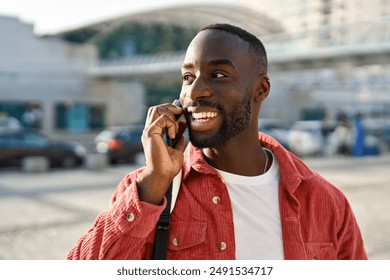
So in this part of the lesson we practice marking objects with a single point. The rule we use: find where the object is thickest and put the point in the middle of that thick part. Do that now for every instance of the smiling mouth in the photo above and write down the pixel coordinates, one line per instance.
(203, 116)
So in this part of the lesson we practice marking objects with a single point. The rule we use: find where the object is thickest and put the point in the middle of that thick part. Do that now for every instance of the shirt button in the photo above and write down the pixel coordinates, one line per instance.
(316, 258)
(130, 217)
(216, 200)
(175, 241)
(222, 246)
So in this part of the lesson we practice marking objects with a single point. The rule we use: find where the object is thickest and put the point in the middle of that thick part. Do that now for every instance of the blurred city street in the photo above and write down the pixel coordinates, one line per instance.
(76, 86)
(43, 214)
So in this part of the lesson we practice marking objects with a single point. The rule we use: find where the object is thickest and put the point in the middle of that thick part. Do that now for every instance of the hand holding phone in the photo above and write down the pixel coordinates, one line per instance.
(162, 163)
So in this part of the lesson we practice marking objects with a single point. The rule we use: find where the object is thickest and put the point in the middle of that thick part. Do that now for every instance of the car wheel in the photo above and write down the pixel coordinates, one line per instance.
(131, 159)
(69, 161)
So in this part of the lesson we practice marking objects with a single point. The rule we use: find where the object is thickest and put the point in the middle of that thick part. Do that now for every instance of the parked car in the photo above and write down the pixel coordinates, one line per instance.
(120, 144)
(275, 128)
(9, 123)
(380, 129)
(17, 144)
(308, 138)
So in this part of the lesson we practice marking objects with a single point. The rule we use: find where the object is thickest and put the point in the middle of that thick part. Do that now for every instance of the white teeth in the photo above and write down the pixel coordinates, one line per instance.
(204, 115)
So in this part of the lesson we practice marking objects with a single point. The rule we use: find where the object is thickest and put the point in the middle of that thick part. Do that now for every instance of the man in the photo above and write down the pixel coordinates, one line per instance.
(242, 196)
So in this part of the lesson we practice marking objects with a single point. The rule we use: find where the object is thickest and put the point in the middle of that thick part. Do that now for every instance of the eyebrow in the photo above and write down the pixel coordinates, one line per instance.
(215, 62)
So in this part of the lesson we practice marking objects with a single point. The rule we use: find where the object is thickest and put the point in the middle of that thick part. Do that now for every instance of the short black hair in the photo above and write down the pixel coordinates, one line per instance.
(256, 46)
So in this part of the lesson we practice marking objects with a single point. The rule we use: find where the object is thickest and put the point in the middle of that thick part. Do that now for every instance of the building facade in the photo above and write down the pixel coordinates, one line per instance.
(56, 78)
(46, 81)
(305, 15)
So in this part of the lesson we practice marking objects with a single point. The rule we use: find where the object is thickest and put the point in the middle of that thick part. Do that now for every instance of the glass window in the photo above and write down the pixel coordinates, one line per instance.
(80, 117)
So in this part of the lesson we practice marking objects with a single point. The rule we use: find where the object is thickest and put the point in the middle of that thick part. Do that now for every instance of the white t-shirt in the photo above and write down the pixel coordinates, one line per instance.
(256, 214)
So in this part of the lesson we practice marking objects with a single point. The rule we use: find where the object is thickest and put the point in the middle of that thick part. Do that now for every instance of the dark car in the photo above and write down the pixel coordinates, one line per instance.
(17, 144)
(120, 144)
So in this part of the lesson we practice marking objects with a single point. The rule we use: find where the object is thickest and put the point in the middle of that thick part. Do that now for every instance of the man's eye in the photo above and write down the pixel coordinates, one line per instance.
(218, 75)
(187, 78)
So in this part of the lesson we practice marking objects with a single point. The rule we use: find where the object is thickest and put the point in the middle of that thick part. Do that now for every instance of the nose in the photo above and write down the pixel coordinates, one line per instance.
(199, 89)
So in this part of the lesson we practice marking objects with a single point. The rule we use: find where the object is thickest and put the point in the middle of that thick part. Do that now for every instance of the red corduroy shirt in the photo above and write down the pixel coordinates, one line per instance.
(316, 218)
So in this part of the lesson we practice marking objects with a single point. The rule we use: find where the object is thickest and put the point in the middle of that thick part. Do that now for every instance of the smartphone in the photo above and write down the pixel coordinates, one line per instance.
(182, 127)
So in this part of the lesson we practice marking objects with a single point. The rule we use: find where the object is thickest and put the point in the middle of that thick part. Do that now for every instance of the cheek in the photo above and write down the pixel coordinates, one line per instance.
(231, 97)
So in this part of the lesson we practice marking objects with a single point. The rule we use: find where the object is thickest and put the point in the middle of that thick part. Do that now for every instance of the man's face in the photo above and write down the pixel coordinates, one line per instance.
(218, 80)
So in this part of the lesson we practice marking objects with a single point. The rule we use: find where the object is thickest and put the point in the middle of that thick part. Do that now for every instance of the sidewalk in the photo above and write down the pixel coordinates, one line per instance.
(43, 214)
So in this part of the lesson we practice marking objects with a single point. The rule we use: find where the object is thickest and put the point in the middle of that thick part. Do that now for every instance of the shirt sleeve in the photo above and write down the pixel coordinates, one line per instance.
(350, 242)
(123, 231)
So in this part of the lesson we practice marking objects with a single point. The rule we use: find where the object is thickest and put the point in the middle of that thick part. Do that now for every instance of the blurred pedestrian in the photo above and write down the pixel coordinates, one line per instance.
(32, 117)
(343, 136)
(359, 137)
(242, 194)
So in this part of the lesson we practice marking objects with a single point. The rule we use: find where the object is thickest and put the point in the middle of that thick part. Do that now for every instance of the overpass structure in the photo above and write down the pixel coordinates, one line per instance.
(192, 16)
(361, 43)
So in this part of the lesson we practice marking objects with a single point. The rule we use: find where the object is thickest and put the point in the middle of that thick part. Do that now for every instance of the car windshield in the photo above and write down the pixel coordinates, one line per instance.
(34, 140)
(131, 134)
(106, 134)
(23, 139)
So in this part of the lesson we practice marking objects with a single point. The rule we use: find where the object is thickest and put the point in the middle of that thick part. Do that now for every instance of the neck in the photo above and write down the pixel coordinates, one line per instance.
(245, 157)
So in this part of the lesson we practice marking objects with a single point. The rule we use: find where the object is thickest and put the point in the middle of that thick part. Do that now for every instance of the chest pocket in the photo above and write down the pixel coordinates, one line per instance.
(320, 251)
(187, 240)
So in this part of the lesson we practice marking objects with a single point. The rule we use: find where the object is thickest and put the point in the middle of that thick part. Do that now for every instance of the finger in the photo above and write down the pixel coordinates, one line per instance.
(149, 118)
(156, 111)
(171, 127)
(161, 125)
(171, 108)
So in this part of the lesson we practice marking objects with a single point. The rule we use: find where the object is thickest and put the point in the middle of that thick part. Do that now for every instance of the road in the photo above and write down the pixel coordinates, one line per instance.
(43, 214)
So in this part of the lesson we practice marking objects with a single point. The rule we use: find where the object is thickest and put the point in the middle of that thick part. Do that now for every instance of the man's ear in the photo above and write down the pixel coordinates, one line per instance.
(263, 88)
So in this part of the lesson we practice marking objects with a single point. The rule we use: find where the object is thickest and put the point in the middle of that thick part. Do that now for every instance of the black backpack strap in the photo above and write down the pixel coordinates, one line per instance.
(160, 246)
(162, 231)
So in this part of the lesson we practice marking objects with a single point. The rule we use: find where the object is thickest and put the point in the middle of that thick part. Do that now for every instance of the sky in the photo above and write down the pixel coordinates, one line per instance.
(52, 16)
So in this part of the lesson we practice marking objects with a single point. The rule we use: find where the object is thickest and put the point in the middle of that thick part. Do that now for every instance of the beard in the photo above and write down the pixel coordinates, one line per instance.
(233, 123)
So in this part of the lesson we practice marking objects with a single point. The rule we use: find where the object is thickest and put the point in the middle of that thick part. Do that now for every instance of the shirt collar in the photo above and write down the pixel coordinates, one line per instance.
(290, 173)
(194, 161)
